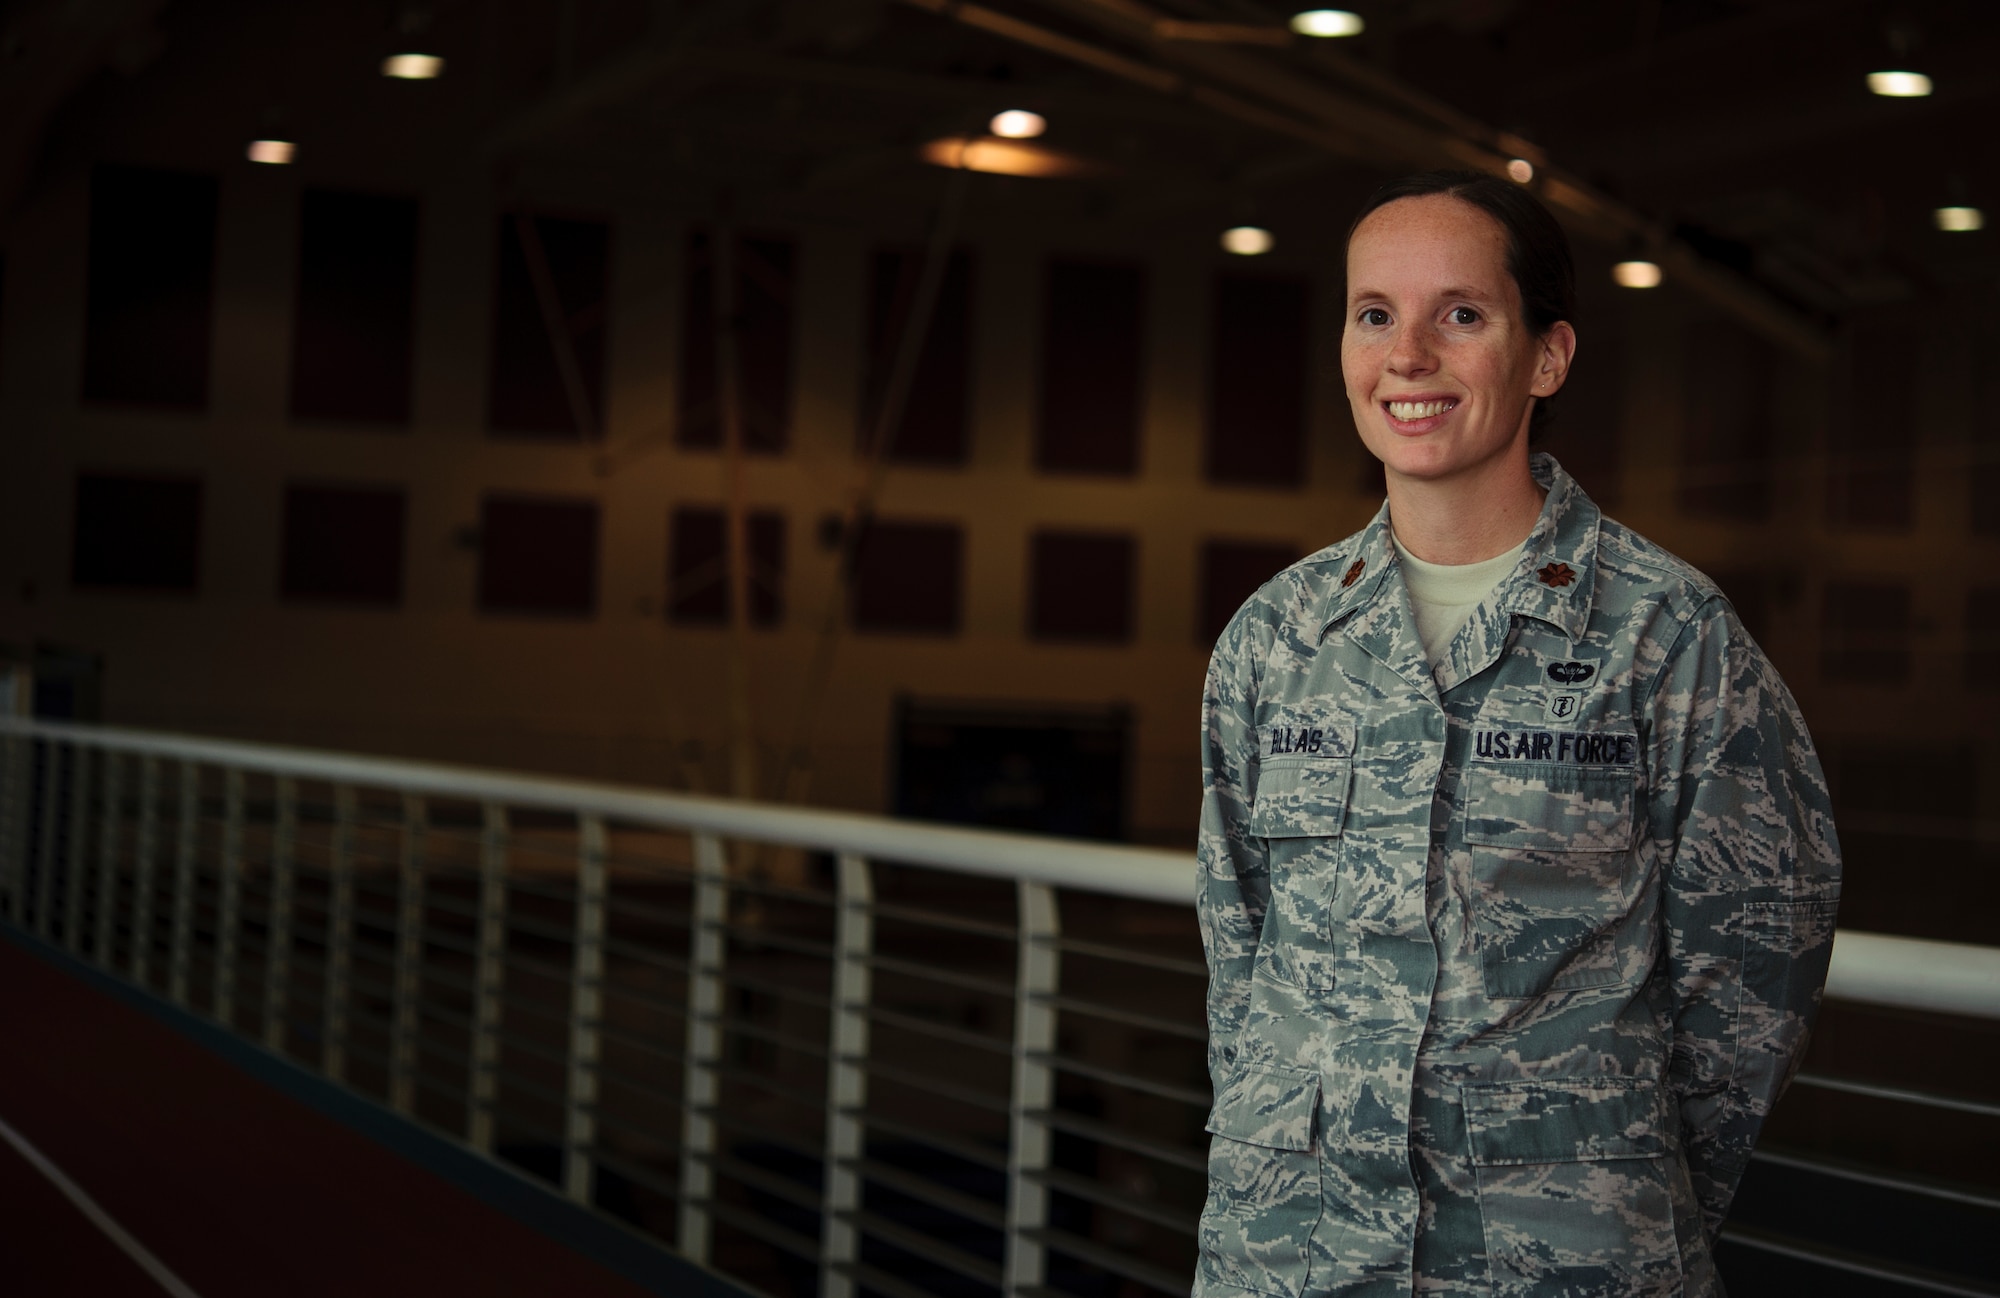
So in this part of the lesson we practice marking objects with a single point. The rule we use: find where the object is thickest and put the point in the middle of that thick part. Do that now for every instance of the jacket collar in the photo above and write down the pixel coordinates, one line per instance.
(1555, 582)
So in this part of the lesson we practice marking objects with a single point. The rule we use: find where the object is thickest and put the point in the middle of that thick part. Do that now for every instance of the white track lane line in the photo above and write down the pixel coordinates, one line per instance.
(118, 1235)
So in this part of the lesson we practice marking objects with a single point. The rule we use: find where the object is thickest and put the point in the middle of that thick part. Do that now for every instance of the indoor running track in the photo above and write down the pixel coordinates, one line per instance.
(239, 1190)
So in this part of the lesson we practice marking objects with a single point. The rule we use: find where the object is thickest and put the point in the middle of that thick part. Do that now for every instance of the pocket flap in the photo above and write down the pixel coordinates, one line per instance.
(1302, 799)
(1549, 808)
(1273, 1107)
(1565, 1121)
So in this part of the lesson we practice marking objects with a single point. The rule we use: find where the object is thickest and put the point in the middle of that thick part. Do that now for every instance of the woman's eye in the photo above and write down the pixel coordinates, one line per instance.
(1375, 316)
(1464, 315)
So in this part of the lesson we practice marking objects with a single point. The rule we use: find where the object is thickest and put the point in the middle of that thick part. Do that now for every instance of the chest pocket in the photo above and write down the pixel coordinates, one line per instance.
(1300, 810)
(1552, 877)
(1301, 797)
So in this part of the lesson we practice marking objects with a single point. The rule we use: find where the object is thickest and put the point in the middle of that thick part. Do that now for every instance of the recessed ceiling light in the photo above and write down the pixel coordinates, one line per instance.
(413, 67)
(276, 153)
(1247, 240)
(1958, 220)
(1637, 274)
(1327, 22)
(1520, 171)
(1018, 124)
(1900, 85)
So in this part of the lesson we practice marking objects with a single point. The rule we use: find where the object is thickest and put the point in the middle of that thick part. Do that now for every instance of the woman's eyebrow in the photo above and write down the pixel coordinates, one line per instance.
(1471, 294)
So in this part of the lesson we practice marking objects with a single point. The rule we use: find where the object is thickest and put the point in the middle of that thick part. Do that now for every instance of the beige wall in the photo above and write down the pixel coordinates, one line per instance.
(622, 695)
(625, 696)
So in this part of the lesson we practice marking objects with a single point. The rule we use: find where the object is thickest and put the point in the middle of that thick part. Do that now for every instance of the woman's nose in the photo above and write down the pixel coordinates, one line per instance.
(1412, 352)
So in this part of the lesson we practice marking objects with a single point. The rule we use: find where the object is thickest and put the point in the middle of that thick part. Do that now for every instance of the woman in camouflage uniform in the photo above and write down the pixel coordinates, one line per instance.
(1517, 911)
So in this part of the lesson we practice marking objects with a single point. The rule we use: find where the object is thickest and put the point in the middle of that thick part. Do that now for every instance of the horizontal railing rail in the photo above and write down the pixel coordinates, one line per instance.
(1871, 968)
(817, 1050)
(1123, 871)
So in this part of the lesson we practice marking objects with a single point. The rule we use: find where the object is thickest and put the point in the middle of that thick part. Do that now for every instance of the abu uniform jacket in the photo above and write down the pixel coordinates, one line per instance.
(1508, 959)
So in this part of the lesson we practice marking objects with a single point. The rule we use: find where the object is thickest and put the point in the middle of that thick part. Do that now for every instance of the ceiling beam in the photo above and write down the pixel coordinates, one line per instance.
(616, 80)
(978, 94)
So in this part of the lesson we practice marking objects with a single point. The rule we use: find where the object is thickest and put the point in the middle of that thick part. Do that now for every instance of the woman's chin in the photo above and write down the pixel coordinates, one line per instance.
(1418, 461)
(1436, 459)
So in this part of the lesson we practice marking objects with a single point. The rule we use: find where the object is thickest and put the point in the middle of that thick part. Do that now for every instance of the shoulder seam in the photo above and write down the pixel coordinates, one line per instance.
(1647, 555)
(1680, 636)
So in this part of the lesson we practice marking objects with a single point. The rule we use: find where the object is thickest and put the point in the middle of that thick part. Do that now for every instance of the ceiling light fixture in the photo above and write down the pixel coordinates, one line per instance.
(1003, 157)
(1959, 220)
(1327, 22)
(1247, 240)
(1018, 124)
(1637, 274)
(276, 153)
(1900, 85)
(413, 67)
(1520, 170)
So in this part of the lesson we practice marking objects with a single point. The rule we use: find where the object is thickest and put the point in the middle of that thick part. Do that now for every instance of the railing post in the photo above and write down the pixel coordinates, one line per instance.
(409, 959)
(14, 822)
(484, 1084)
(145, 845)
(75, 848)
(278, 921)
(1033, 1089)
(228, 921)
(586, 1007)
(181, 952)
(847, 1076)
(45, 841)
(107, 860)
(699, 1091)
(339, 932)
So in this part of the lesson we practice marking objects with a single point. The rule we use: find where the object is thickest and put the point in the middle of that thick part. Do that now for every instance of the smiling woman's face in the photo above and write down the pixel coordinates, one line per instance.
(1440, 366)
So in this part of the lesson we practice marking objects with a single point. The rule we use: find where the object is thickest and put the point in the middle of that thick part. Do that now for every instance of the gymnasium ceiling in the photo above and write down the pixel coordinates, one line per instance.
(1734, 141)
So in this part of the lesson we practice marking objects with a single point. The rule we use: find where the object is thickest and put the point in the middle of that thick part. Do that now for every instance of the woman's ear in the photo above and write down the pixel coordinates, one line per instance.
(1558, 348)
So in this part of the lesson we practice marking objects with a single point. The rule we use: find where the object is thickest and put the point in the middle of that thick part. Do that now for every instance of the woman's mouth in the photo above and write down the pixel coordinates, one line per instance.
(1418, 416)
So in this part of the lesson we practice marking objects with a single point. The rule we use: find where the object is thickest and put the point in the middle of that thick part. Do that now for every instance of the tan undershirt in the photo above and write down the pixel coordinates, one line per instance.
(1445, 595)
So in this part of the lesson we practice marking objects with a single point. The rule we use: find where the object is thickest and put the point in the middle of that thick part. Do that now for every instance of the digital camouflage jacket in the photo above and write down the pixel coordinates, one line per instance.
(1508, 959)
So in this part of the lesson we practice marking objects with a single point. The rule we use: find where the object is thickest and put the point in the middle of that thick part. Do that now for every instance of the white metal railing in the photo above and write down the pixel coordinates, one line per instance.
(808, 1048)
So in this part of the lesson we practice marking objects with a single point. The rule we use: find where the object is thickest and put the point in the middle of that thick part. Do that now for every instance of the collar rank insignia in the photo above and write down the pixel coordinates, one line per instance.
(1557, 575)
(1353, 573)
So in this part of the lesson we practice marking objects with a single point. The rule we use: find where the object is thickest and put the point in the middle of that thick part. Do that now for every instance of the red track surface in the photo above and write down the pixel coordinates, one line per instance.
(53, 1251)
(242, 1191)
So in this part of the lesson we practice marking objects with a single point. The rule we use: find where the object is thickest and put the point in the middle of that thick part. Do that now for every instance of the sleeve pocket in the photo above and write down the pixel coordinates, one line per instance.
(1791, 930)
(1264, 1199)
(1302, 799)
(1565, 1121)
(1787, 947)
(1272, 1107)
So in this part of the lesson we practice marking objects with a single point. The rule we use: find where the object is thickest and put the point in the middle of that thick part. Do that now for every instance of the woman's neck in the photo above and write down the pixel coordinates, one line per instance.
(1467, 517)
